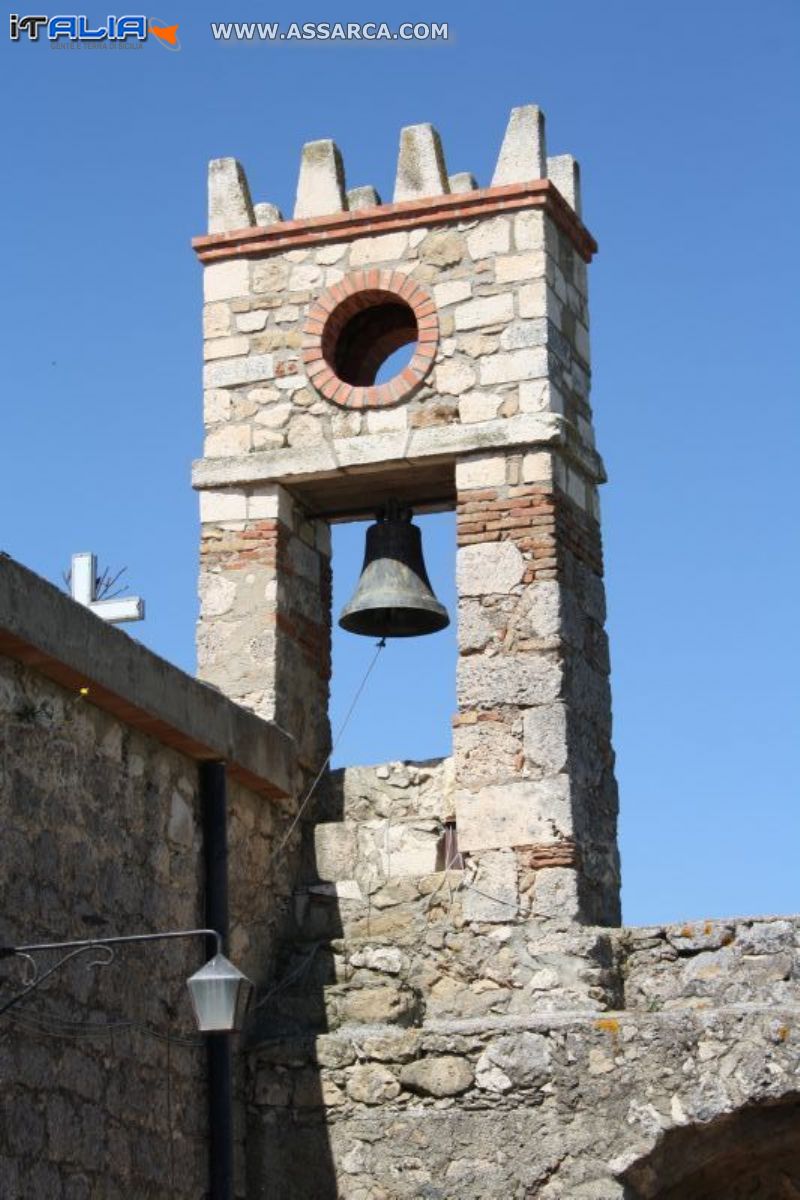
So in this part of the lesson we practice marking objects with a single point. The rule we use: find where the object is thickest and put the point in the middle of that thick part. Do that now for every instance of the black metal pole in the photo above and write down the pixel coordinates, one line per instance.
(213, 795)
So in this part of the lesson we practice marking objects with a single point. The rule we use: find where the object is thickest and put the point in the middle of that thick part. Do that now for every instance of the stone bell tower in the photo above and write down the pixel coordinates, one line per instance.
(491, 416)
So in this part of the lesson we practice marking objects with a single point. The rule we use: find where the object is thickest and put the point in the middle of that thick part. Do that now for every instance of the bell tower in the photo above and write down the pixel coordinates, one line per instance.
(490, 416)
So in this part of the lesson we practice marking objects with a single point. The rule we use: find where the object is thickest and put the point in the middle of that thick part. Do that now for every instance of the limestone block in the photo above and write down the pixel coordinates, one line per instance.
(522, 813)
(305, 277)
(523, 155)
(251, 322)
(320, 188)
(537, 467)
(454, 377)
(529, 232)
(491, 894)
(555, 893)
(488, 568)
(383, 248)
(443, 249)
(226, 280)
(532, 299)
(512, 268)
(372, 1084)
(475, 626)
(514, 365)
(222, 506)
(522, 679)
(545, 737)
(229, 203)
(420, 164)
(388, 959)
(216, 406)
(478, 406)
(216, 320)
(275, 414)
(486, 752)
(446, 1075)
(306, 430)
(491, 237)
(226, 347)
(403, 849)
(488, 310)
(451, 292)
(238, 370)
(267, 214)
(521, 334)
(462, 181)
(378, 1006)
(535, 395)
(269, 502)
(485, 470)
(523, 1058)
(330, 253)
(228, 441)
(565, 173)
(362, 197)
(217, 594)
(335, 850)
(270, 276)
(387, 419)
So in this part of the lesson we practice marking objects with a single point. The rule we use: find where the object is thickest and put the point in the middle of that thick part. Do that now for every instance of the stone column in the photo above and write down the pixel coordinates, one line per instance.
(264, 629)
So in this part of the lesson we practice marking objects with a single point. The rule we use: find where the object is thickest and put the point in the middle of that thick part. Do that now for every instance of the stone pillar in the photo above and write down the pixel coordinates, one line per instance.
(265, 592)
(532, 737)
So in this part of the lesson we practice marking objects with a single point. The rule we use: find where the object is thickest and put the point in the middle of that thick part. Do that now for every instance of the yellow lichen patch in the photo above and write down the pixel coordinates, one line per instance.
(687, 931)
(608, 1025)
(707, 928)
(782, 1033)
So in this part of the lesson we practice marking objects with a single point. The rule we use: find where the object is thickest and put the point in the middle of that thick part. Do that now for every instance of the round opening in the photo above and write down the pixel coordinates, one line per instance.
(364, 332)
(371, 339)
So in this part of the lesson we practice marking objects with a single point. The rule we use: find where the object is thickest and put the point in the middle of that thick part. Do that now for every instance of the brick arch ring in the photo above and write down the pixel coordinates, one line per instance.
(353, 327)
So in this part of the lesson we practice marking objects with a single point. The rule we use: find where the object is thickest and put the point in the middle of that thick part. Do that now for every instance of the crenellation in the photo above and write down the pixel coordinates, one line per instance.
(229, 203)
(523, 154)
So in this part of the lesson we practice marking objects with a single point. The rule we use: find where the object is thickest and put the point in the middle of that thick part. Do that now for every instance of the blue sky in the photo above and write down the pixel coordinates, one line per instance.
(684, 118)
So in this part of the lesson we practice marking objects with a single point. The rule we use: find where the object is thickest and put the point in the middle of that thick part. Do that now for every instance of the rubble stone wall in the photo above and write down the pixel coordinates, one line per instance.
(102, 835)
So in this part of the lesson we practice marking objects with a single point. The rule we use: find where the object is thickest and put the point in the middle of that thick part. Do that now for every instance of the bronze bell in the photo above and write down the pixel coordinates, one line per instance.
(393, 596)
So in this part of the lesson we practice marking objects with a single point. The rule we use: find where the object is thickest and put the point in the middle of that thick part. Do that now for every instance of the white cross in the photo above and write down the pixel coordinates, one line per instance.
(83, 585)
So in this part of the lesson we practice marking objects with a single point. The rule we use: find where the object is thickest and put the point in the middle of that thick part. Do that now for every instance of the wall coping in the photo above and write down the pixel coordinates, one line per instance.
(406, 214)
(48, 631)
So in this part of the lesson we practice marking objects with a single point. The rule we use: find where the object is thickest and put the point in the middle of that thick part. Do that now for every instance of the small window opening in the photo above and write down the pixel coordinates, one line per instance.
(448, 856)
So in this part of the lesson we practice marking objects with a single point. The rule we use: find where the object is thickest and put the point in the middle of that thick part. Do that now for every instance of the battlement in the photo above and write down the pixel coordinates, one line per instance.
(326, 209)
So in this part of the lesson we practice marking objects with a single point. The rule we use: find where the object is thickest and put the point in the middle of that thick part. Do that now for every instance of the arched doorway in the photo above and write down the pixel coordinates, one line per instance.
(752, 1154)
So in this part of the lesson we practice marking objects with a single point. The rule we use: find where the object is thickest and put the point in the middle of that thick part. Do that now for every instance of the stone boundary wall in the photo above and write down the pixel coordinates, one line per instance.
(102, 835)
(557, 1107)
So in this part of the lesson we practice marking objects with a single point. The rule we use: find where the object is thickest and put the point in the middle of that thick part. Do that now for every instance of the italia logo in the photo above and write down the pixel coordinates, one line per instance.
(76, 28)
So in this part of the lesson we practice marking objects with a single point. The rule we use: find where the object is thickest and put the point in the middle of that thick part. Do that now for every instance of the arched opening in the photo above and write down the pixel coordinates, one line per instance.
(363, 332)
(752, 1154)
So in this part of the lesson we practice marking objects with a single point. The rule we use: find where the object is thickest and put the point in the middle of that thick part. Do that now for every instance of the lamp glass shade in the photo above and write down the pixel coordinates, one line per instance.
(220, 994)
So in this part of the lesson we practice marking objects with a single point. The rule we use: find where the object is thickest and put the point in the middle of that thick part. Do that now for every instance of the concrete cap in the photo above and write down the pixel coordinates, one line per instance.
(229, 204)
(420, 164)
(522, 155)
(267, 214)
(565, 173)
(362, 197)
(462, 182)
(320, 188)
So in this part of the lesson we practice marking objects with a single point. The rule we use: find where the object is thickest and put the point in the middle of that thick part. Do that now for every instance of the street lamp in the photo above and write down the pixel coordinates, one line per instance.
(219, 992)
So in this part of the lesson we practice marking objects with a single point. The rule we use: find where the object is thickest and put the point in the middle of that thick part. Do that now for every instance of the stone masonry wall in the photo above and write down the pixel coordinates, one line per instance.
(264, 630)
(101, 835)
